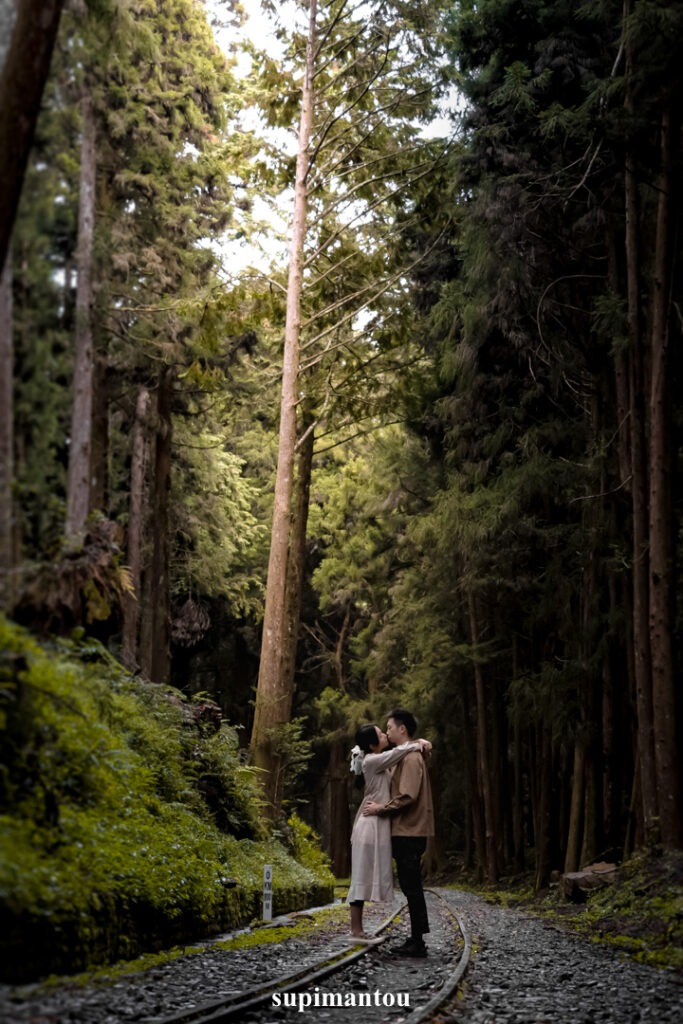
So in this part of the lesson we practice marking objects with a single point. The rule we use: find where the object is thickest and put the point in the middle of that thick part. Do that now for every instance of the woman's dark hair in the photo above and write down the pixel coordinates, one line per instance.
(366, 737)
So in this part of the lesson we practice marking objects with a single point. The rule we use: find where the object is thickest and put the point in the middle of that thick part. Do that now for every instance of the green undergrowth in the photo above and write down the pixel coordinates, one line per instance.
(641, 914)
(125, 812)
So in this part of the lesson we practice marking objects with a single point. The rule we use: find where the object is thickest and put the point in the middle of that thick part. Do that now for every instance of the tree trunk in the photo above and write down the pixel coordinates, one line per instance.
(661, 594)
(518, 799)
(484, 754)
(155, 643)
(22, 81)
(136, 507)
(575, 835)
(474, 854)
(611, 775)
(637, 373)
(337, 810)
(78, 484)
(6, 441)
(273, 703)
(296, 559)
(99, 446)
(544, 814)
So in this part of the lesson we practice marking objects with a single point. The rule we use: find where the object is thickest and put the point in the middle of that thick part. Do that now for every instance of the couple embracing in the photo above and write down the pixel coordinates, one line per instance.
(395, 819)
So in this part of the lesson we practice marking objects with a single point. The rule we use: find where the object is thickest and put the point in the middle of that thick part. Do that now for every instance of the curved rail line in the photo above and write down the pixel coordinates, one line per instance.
(424, 1013)
(233, 1007)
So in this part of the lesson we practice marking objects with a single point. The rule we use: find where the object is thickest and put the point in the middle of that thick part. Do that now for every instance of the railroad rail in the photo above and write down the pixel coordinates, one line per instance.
(253, 1000)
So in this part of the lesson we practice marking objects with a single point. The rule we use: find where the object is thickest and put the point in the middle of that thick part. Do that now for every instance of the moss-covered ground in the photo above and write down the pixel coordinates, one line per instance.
(640, 914)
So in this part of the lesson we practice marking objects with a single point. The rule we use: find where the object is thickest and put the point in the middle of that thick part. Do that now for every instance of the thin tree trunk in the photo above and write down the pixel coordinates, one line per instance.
(339, 823)
(637, 375)
(474, 854)
(518, 799)
(534, 762)
(544, 815)
(138, 472)
(661, 603)
(591, 814)
(6, 440)
(155, 650)
(518, 791)
(78, 484)
(22, 80)
(99, 446)
(484, 755)
(296, 559)
(575, 835)
(273, 703)
(611, 777)
(499, 773)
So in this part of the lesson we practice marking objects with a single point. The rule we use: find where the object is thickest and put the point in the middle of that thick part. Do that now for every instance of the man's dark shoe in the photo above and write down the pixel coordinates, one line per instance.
(410, 948)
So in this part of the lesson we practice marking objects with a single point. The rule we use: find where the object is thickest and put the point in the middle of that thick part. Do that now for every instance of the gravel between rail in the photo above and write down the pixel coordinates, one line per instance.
(523, 971)
(527, 971)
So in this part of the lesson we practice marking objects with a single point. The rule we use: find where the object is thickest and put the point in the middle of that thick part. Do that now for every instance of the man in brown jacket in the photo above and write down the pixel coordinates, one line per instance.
(412, 821)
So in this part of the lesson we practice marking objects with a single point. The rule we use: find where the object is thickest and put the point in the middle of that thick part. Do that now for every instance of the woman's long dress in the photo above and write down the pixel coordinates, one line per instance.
(371, 871)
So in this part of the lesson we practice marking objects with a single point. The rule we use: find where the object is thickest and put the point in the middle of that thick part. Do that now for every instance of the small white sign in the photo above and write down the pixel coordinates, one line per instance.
(268, 892)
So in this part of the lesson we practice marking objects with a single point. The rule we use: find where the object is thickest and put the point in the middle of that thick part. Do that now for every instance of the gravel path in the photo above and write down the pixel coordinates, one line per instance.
(526, 971)
(523, 971)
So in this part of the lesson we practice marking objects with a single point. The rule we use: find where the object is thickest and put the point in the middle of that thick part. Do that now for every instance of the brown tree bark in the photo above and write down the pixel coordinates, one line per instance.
(575, 834)
(136, 512)
(273, 702)
(475, 843)
(517, 798)
(78, 482)
(296, 558)
(296, 563)
(6, 441)
(544, 813)
(22, 81)
(336, 795)
(661, 528)
(99, 446)
(639, 487)
(486, 781)
(155, 639)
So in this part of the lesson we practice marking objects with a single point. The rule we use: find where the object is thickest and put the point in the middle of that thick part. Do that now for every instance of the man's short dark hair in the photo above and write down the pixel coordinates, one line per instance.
(404, 717)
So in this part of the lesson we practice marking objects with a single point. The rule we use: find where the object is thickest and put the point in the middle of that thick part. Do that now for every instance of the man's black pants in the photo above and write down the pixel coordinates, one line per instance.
(407, 852)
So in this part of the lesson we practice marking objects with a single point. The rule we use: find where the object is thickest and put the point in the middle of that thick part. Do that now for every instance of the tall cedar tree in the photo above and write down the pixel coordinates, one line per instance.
(364, 90)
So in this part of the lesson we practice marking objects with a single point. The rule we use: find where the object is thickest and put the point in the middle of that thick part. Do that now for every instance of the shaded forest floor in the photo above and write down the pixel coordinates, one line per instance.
(641, 913)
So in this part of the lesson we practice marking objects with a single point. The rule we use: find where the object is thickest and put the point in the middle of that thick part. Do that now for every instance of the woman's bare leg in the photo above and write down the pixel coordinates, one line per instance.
(357, 918)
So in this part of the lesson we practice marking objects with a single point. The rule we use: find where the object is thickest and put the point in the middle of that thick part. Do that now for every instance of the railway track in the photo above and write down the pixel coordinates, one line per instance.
(412, 989)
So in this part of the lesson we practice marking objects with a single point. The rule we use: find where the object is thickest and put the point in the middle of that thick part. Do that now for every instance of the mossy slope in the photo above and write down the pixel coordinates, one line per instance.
(124, 810)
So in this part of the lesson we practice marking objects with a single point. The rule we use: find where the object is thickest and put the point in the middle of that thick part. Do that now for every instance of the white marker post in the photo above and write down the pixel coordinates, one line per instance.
(268, 892)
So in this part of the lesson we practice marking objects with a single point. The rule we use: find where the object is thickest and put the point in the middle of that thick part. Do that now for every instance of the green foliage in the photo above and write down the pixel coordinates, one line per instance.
(115, 792)
(641, 914)
(217, 532)
(304, 844)
(292, 753)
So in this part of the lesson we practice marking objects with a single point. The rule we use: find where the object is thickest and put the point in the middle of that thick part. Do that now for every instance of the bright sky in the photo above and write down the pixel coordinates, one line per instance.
(271, 244)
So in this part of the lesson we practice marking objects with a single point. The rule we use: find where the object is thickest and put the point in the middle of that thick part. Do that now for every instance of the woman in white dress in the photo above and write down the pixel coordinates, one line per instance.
(372, 875)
